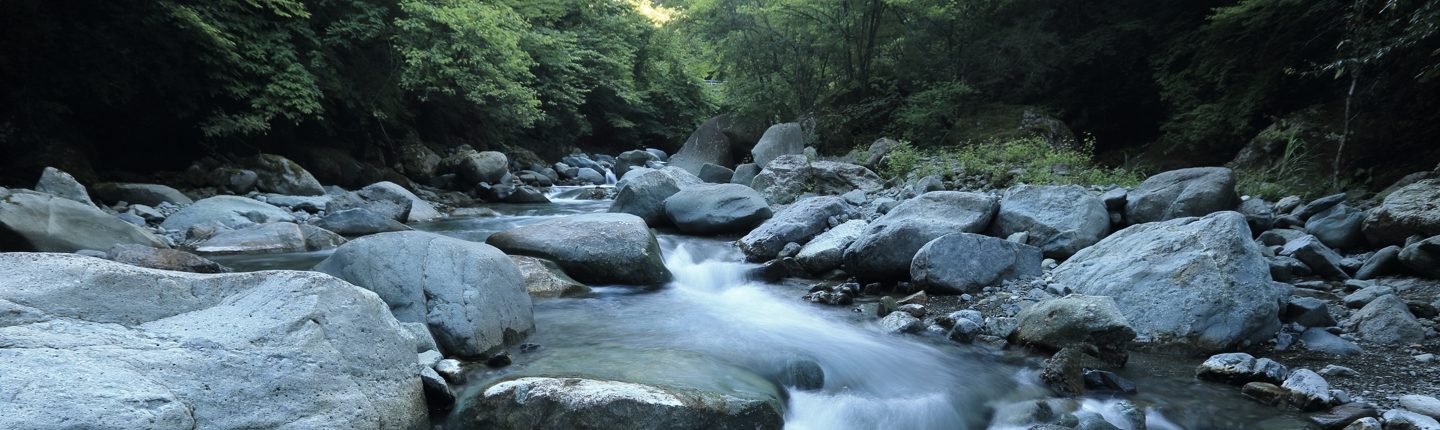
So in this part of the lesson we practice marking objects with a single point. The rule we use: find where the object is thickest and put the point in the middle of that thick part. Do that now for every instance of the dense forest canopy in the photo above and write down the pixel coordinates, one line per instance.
(154, 83)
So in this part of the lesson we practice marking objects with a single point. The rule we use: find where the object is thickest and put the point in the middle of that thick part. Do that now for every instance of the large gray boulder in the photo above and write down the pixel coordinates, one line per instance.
(789, 176)
(1409, 211)
(145, 194)
(420, 210)
(959, 263)
(780, 139)
(643, 192)
(1196, 191)
(1422, 257)
(632, 159)
(1074, 320)
(470, 294)
(885, 251)
(720, 140)
(1319, 258)
(256, 239)
(276, 174)
(1338, 227)
(359, 222)
(31, 221)
(60, 184)
(544, 403)
(473, 167)
(89, 343)
(227, 211)
(797, 223)
(592, 248)
(1060, 220)
(826, 252)
(1206, 273)
(716, 208)
(1386, 321)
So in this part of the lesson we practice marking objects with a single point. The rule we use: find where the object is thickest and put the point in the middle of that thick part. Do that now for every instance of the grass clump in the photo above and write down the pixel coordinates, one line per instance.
(1003, 162)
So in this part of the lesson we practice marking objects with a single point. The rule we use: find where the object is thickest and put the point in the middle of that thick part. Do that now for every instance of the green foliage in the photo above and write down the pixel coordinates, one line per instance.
(1002, 163)
(469, 49)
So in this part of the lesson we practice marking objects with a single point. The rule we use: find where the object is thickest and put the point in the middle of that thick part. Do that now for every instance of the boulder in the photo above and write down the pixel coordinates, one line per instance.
(1308, 391)
(959, 263)
(470, 294)
(592, 248)
(543, 403)
(309, 204)
(96, 344)
(1386, 261)
(901, 322)
(145, 194)
(889, 244)
(1338, 227)
(1321, 259)
(472, 167)
(544, 279)
(1319, 340)
(1238, 368)
(227, 211)
(418, 161)
(276, 174)
(31, 221)
(1409, 211)
(233, 180)
(57, 183)
(420, 210)
(1259, 215)
(797, 223)
(381, 202)
(643, 192)
(1364, 296)
(1075, 320)
(1182, 193)
(256, 239)
(826, 251)
(1386, 321)
(1308, 311)
(745, 174)
(707, 144)
(1422, 257)
(359, 222)
(632, 159)
(1060, 220)
(788, 177)
(716, 174)
(1206, 272)
(1400, 419)
(163, 259)
(1423, 405)
(716, 208)
(590, 176)
(780, 139)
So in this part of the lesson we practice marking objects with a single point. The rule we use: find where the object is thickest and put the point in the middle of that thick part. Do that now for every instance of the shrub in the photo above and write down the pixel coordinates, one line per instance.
(1004, 162)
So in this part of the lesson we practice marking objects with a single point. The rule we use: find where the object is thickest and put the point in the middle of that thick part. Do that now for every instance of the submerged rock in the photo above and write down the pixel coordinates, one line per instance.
(97, 344)
(594, 248)
(31, 221)
(543, 278)
(470, 294)
(1206, 272)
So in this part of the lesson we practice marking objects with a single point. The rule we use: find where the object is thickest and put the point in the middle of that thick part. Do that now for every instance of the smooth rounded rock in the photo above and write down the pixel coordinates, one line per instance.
(717, 208)
(885, 251)
(1060, 220)
(594, 248)
(959, 263)
(31, 221)
(1182, 193)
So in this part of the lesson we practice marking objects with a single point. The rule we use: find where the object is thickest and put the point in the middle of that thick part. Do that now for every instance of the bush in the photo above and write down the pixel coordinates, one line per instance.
(1004, 162)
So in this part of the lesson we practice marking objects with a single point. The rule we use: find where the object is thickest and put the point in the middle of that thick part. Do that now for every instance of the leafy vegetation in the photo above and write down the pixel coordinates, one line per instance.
(1001, 163)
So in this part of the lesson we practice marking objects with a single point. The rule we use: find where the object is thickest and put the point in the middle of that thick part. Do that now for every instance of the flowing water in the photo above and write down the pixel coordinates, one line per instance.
(714, 328)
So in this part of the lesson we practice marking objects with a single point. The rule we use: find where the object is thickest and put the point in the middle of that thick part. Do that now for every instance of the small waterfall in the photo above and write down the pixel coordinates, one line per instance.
(609, 177)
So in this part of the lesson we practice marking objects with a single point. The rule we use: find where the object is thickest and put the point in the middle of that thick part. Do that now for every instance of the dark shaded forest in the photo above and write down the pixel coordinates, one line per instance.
(1312, 92)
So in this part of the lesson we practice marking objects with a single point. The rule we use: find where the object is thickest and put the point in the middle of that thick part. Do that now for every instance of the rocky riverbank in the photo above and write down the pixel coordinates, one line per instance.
(1340, 292)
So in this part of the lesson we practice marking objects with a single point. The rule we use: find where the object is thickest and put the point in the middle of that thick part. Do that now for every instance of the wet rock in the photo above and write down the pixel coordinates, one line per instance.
(526, 194)
(380, 202)
(718, 208)
(473, 167)
(635, 158)
(900, 322)
(1063, 373)
(543, 278)
(450, 369)
(1101, 380)
(890, 243)
(1238, 368)
(1060, 220)
(1343, 416)
(31, 221)
(1409, 211)
(1265, 393)
(1400, 419)
(826, 251)
(1423, 257)
(964, 262)
(145, 194)
(1207, 266)
(359, 222)
(1319, 340)
(1182, 193)
(1386, 321)
(256, 239)
(310, 204)
(643, 193)
(801, 374)
(1074, 320)
(1308, 390)
(437, 390)
(276, 174)
(1386, 261)
(798, 223)
(163, 259)
(228, 211)
(790, 176)
(593, 248)
(163, 349)
(470, 295)
(1308, 311)
(1338, 227)
(60, 184)
(568, 403)
(1320, 258)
